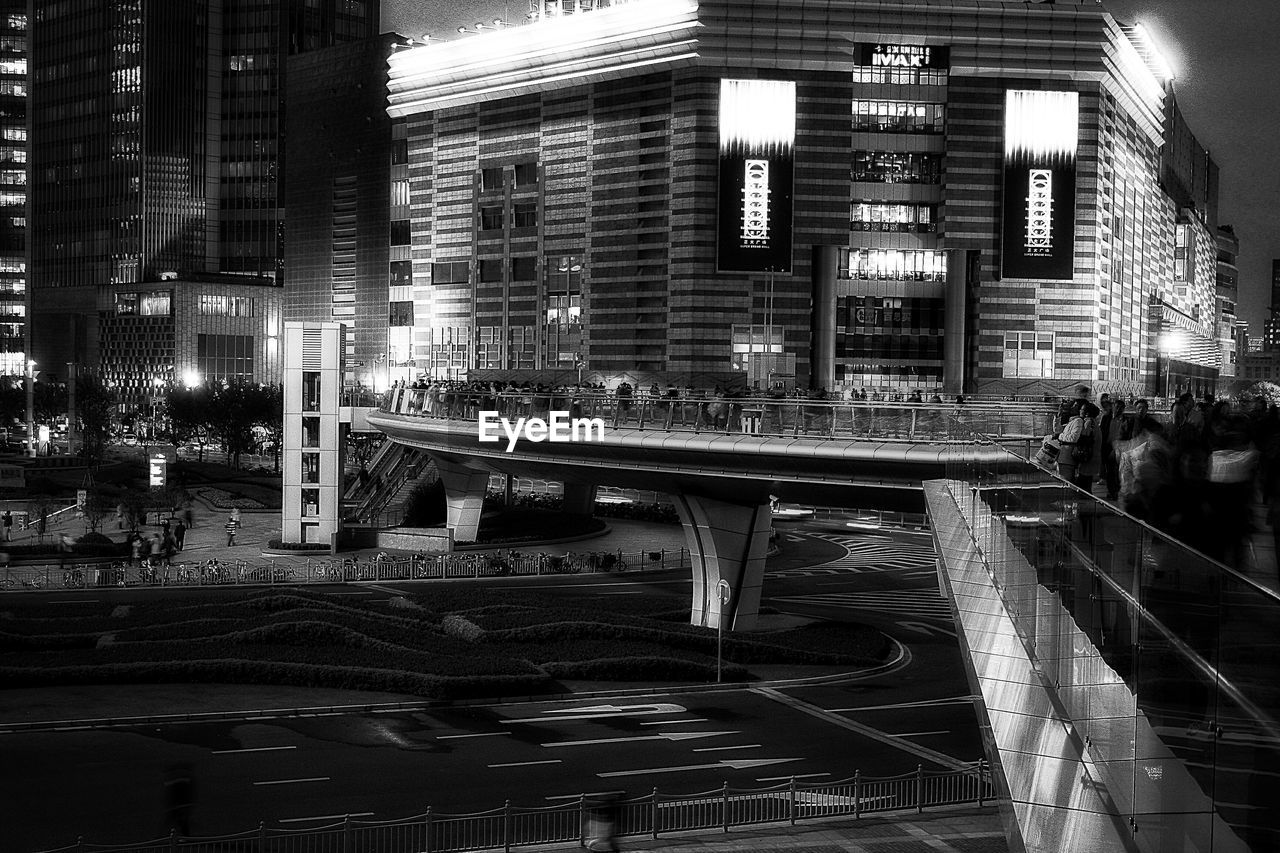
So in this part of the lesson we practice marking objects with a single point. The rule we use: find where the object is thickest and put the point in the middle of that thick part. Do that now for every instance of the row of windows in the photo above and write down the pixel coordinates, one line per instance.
(883, 216)
(226, 306)
(893, 265)
(1028, 354)
(880, 346)
(897, 167)
(900, 76)
(523, 216)
(152, 303)
(562, 272)
(523, 174)
(873, 313)
(224, 356)
(897, 117)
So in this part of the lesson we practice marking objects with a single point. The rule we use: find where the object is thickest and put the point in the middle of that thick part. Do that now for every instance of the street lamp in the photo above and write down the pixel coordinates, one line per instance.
(31, 408)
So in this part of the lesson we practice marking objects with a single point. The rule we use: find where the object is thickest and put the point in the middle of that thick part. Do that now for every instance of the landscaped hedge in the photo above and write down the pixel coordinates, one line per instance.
(452, 642)
(303, 547)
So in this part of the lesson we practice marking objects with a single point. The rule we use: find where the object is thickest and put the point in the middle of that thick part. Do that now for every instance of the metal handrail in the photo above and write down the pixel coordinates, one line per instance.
(726, 414)
(646, 815)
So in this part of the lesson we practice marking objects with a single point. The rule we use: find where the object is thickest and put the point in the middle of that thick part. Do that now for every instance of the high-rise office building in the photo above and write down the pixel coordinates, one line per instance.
(1227, 295)
(882, 199)
(156, 128)
(13, 186)
(347, 192)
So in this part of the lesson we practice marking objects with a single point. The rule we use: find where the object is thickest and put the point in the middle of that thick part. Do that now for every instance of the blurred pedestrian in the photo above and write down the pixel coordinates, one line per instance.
(231, 526)
(602, 833)
(179, 799)
(180, 534)
(189, 517)
(8, 526)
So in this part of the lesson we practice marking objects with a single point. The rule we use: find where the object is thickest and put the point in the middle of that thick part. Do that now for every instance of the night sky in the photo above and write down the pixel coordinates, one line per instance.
(1226, 57)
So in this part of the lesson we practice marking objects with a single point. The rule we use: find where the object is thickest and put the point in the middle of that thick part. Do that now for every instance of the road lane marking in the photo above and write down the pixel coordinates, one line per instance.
(478, 734)
(324, 817)
(74, 600)
(673, 736)
(925, 703)
(526, 763)
(349, 593)
(724, 748)
(291, 781)
(789, 778)
(735, 763)
(864, 730)
(673, 722)
(579, 796)
(252, 749)
(922, 734)
(596, 712)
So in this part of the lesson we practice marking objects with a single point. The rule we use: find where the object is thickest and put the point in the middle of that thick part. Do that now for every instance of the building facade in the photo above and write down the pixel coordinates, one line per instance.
(1228, 294)
(155, 129)
(347, 192)
(13, 186)
(939, 199)
(187, 331)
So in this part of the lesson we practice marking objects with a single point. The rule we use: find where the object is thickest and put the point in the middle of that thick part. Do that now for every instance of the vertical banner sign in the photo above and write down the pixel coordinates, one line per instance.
(1041, 130)
(757, 151)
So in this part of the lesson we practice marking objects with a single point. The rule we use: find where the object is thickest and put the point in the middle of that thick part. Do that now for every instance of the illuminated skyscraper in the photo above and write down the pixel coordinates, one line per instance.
(13, 185)
(156, 126)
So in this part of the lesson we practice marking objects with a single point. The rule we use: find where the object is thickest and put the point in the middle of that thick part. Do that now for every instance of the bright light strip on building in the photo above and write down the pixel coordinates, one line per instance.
(1150, 51)
(757, 117)
(1043, 127)
(571, 49)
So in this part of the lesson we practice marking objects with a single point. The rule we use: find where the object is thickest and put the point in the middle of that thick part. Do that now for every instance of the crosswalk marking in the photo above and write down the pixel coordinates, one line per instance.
(921, 603)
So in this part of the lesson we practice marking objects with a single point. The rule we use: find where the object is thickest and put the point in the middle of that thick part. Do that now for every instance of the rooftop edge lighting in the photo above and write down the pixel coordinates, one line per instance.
(1150, 52)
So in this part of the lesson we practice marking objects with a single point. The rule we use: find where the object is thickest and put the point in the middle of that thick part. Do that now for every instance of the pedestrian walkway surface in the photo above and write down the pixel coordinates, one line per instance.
(964, 829)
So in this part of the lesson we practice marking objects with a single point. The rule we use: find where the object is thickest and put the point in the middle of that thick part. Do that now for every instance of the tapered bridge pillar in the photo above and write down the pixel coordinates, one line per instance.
(464, 491)
(727, 542)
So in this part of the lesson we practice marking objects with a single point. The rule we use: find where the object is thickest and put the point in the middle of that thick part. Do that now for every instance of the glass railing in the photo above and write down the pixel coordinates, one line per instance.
(1167, 661)
(1020, 423)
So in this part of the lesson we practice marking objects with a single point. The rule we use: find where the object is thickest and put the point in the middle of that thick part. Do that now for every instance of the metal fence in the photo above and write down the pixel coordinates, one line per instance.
(648, 815)
(294, 571)
(916, 422)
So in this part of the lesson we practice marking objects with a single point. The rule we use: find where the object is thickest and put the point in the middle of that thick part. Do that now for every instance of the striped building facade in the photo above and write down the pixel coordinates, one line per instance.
(566, 198)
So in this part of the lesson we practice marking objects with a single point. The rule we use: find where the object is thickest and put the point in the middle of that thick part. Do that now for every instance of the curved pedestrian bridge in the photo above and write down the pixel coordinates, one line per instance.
(722, 460)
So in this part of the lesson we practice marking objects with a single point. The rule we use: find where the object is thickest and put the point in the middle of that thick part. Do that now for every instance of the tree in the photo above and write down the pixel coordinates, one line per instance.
(232, 417)
(190, 417)
(97, 506)
(271, 417)
(49, 400)
(1269, 391)
(95, 406)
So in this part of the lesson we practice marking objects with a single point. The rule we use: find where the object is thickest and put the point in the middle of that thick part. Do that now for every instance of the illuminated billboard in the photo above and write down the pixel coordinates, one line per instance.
(757, 155)
(901, 56)
(1041, 130)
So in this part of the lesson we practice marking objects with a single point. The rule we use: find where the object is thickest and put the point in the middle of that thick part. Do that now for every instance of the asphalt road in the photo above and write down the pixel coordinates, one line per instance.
(296, 772)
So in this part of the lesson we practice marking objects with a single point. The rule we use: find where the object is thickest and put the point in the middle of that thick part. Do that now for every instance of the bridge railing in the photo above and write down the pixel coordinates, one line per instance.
(776, 416)
(576, 820)
(1163, 657)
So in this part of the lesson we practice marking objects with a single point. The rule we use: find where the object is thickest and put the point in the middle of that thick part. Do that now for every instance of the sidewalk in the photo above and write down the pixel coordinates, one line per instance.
(954, 829)
(208, 538)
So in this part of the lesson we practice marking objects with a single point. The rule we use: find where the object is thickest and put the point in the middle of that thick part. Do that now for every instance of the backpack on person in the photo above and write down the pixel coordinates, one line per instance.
(1082, 452)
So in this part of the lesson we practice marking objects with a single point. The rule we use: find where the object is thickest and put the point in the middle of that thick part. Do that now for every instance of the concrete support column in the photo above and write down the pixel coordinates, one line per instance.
(726, 542)
(464, 491)
(822, 323)
(955, 315)
(579, 498)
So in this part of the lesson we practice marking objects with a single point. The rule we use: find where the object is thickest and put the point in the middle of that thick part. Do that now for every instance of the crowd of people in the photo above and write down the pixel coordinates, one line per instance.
(1194, 474)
